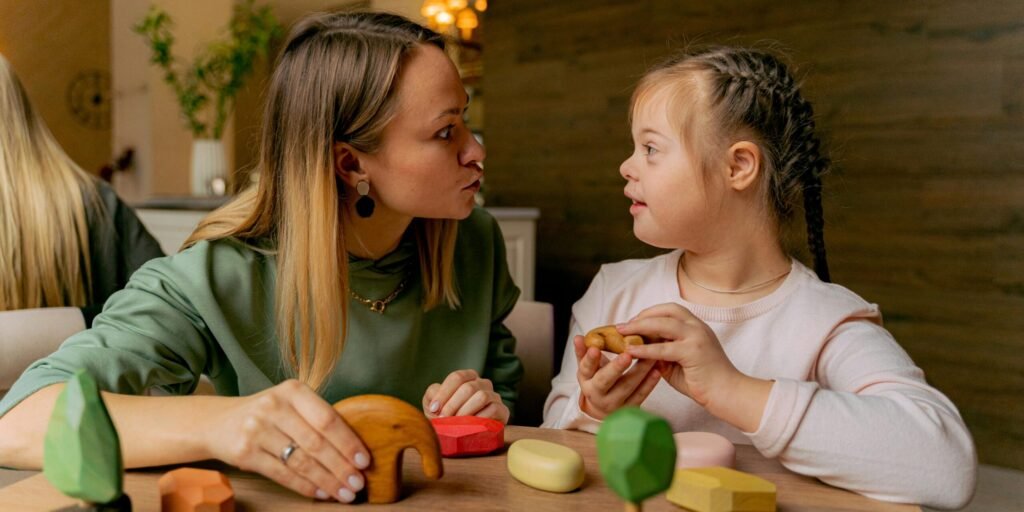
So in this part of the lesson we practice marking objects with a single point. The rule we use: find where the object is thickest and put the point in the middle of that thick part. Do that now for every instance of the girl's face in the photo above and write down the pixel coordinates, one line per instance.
(669, 193)
(428, 164)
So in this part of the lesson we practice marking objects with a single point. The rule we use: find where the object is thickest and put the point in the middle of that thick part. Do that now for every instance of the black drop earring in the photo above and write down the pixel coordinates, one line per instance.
(365, 204)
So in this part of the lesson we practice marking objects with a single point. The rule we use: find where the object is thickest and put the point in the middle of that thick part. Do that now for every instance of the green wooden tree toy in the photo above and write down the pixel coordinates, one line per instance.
(82, 452)
(637, 455)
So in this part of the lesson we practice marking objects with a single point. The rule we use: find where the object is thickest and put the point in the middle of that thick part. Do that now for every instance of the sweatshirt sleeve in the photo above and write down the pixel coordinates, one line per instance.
(149, 336)
(562, 407)
(870, 423)
(503, 366)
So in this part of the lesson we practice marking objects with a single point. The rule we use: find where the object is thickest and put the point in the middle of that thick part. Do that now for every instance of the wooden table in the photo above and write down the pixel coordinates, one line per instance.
(481, 483)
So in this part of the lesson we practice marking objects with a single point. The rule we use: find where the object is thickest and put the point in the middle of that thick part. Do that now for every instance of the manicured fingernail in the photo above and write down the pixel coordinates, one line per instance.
(321, 495)
(346, 495)
(434, 406)
(362, 460)
(355, 482)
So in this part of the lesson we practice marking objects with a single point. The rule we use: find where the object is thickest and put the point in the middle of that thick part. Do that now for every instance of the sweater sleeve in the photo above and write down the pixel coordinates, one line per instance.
(870, 423)
(503, 367)
(562, 407)
(149, 335)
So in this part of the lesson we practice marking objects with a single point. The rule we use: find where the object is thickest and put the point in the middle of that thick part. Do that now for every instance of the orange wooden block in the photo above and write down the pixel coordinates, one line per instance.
(196, 490)
(466, 436)
(387, 427)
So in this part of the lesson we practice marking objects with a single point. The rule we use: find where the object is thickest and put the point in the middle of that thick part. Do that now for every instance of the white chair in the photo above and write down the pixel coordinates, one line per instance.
(533, 325)
(30, 334)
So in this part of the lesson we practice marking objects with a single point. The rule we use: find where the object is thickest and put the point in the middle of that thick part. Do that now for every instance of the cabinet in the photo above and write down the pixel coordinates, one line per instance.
(171, 221)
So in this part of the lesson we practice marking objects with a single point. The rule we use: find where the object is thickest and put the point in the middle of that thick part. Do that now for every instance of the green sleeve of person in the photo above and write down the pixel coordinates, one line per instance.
(82, 452)
(636, 454)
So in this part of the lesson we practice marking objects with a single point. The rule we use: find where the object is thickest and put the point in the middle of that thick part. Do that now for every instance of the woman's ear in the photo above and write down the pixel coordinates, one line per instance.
(346, 164)
(744, 159)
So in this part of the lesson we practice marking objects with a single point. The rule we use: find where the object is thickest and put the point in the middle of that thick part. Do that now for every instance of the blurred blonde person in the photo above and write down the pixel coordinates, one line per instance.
(66, 241)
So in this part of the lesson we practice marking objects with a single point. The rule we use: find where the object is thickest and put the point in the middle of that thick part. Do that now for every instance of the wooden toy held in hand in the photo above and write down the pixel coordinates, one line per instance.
(195, 490)
(81, 450)
(546, 466)
(466, 436)
(608, 338)
(637, 454)
(387, 427)
(720, 489)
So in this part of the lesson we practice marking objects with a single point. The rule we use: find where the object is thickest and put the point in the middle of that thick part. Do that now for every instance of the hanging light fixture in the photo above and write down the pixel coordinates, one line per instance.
(443, 15)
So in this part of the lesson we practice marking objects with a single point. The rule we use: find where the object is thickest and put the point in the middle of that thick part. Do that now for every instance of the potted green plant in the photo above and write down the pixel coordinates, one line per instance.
(206, 88)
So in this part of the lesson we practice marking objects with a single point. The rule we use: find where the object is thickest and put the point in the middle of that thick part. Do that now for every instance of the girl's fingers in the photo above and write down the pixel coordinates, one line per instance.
(627, 384)
(589, 364)
(670, 352)
(607, 376)
(650, 381)
(579, 347)
(475, 404)
(663, 327)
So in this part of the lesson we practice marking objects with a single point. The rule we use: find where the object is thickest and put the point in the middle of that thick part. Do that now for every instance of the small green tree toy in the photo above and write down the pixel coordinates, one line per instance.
(81, 450)
(219, 72)
(637, 455)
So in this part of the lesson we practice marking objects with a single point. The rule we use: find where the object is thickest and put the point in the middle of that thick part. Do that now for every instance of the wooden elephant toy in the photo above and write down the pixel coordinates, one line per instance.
(387, 427)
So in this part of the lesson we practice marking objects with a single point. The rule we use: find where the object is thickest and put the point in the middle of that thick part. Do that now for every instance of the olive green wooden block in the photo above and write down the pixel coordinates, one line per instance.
(82, 452)
(636, 453)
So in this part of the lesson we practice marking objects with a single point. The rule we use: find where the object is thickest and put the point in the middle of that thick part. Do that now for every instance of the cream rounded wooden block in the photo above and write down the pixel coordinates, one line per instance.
(544, 465)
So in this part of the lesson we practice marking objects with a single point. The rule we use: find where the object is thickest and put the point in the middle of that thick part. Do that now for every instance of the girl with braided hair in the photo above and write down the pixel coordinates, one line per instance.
(750, 343)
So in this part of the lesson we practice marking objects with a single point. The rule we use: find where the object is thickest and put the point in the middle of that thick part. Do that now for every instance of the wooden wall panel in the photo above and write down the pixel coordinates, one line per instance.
(923, 107)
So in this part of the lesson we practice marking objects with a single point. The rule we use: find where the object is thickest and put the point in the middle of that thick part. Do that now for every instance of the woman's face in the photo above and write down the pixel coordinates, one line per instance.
(428, 164)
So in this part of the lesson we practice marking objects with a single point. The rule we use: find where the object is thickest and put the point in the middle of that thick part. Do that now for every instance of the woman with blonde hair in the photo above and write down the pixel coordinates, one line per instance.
(67, 242)
(359, 265)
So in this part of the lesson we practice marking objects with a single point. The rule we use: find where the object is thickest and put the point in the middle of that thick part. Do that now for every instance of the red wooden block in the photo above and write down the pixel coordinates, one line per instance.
(466, 436)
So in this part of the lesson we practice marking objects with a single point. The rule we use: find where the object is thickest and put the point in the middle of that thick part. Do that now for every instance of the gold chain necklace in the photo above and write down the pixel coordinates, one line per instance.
(379, 305)
(748, 289)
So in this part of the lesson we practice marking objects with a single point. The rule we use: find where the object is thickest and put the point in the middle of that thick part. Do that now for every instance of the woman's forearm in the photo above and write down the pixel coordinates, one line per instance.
(153, 430)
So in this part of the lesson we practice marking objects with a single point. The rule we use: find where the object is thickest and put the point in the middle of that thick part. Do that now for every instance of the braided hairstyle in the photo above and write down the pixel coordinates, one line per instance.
(752, 93)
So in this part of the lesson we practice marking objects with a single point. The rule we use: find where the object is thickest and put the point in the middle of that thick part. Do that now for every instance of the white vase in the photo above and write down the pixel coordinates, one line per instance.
(209, 167)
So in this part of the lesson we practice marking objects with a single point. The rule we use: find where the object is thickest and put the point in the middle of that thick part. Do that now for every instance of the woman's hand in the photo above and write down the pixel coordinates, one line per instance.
(606, 385)
(464, 393)
(692, 360)
(255, 435)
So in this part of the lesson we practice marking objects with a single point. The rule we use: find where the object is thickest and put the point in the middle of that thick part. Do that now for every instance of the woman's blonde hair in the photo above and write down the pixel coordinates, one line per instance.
(334, 82)
(44, 232)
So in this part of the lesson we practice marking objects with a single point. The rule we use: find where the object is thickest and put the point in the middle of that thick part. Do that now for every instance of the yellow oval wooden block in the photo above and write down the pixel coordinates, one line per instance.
(721, 489)
(546, 466)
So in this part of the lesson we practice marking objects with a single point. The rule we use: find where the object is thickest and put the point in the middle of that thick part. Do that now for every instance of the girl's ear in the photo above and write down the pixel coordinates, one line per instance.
(346, 164)
(744, 159)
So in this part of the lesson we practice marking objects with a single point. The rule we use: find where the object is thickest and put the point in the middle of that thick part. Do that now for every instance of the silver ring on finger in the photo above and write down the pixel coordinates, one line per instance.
(287, 452)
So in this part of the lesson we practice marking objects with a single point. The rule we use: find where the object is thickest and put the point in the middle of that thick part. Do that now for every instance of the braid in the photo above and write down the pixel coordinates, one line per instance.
(753, 90)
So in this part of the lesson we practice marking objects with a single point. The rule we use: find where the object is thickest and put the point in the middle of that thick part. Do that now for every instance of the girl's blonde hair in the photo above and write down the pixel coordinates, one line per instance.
(44, 231)
(335, 81)
(749, 94)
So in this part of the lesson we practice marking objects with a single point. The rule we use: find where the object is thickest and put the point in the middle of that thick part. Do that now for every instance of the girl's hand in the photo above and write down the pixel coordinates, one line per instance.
(255, 433)
(464, 393)
(606, 385)
(692, 361)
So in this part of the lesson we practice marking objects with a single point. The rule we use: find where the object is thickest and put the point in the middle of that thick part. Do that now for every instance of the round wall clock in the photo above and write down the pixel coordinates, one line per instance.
(89, 99)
